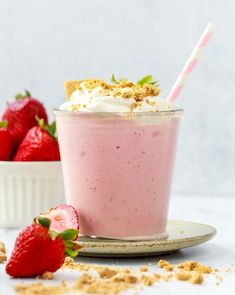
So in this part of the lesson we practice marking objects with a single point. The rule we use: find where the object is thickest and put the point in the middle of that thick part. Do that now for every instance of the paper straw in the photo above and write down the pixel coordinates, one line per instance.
(190, 64)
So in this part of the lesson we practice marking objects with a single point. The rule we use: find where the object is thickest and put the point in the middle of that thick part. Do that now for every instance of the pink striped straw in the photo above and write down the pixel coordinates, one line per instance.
(190, 64)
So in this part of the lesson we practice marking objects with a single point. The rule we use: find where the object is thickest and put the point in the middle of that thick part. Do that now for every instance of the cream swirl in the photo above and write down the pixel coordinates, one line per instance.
(98, 100)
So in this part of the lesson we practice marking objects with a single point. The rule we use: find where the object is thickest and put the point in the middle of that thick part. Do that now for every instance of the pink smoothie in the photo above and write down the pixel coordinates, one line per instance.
(117, 172)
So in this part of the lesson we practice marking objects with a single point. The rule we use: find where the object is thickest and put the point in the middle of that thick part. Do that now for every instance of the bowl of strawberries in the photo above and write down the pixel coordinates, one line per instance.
(30, 169)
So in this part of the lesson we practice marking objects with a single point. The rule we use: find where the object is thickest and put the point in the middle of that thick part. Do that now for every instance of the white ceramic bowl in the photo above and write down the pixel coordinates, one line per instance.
(28, 188)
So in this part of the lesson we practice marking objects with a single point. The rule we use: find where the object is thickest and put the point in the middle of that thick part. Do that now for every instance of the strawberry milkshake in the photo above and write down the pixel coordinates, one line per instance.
(117, 144)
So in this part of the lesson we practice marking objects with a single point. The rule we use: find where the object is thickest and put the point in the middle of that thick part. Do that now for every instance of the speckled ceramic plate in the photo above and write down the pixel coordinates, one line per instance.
(182, 234)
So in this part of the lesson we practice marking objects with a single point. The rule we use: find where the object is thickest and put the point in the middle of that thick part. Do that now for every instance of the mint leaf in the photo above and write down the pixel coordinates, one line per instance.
(145, 80)
(113, 79)
(156, 83)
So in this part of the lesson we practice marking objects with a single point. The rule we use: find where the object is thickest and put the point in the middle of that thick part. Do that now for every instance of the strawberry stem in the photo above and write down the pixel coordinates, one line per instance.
(43, 221)
(19, 95)
(71, 247)
(71, 253)
(3, 124)
(50, 129)
(69, 234)
(27, 93)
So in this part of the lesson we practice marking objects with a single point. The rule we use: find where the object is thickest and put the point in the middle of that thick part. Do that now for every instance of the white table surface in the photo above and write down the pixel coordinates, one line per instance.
(219, 252)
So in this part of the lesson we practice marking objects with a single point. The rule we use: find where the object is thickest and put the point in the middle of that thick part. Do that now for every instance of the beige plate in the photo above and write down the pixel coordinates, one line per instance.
(182, 234)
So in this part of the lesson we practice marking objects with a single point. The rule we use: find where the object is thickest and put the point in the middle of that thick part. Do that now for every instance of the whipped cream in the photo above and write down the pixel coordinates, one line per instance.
(98, 99)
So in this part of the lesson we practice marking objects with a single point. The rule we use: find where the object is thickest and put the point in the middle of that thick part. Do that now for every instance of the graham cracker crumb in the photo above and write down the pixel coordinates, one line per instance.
(183, 275)
(39, 289)
(196, 278)
(106, 272)
(69, 263)
(193, 276)
(194, 265)
(229, 270)
(157, 275)
(204, 269)
(109, 278)
(165, 265)
(126, 278)
(3, 256)
(188, 265)
(71, 86)
(144, 268)
(114, 280)
(219, 278)
(124, 89)
(148, 280)
(85, 279)
(47, 275)
(88, 284)
(2, 247)
(168, 277)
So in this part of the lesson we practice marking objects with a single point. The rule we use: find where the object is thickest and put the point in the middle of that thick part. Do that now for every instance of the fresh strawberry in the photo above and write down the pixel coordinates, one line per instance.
(39, 249)
(21, 116)
(6, 143)
(62, 217)
(39, 144)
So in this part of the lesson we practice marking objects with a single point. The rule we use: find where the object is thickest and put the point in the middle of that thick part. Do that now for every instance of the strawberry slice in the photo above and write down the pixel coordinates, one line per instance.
(62, 217)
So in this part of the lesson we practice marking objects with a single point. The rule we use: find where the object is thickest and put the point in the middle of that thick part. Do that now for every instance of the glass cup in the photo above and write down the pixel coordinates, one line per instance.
(117, 170)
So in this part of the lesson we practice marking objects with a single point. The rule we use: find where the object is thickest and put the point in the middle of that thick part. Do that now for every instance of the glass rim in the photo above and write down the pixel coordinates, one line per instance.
(173, 112)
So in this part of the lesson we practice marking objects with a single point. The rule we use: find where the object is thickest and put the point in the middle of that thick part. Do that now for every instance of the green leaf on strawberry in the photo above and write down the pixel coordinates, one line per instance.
(69, 234)
(45, 222)
(71, 253)
(19, 95)
(50, 128)
(3, 124)
(45, 247)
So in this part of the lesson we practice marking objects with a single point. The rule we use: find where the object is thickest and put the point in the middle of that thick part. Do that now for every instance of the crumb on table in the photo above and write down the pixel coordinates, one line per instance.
(47, 275)
(165, 265)
(3, 256)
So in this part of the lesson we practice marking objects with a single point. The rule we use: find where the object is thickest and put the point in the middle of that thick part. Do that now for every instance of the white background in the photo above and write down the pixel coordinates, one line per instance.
(43, 43)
